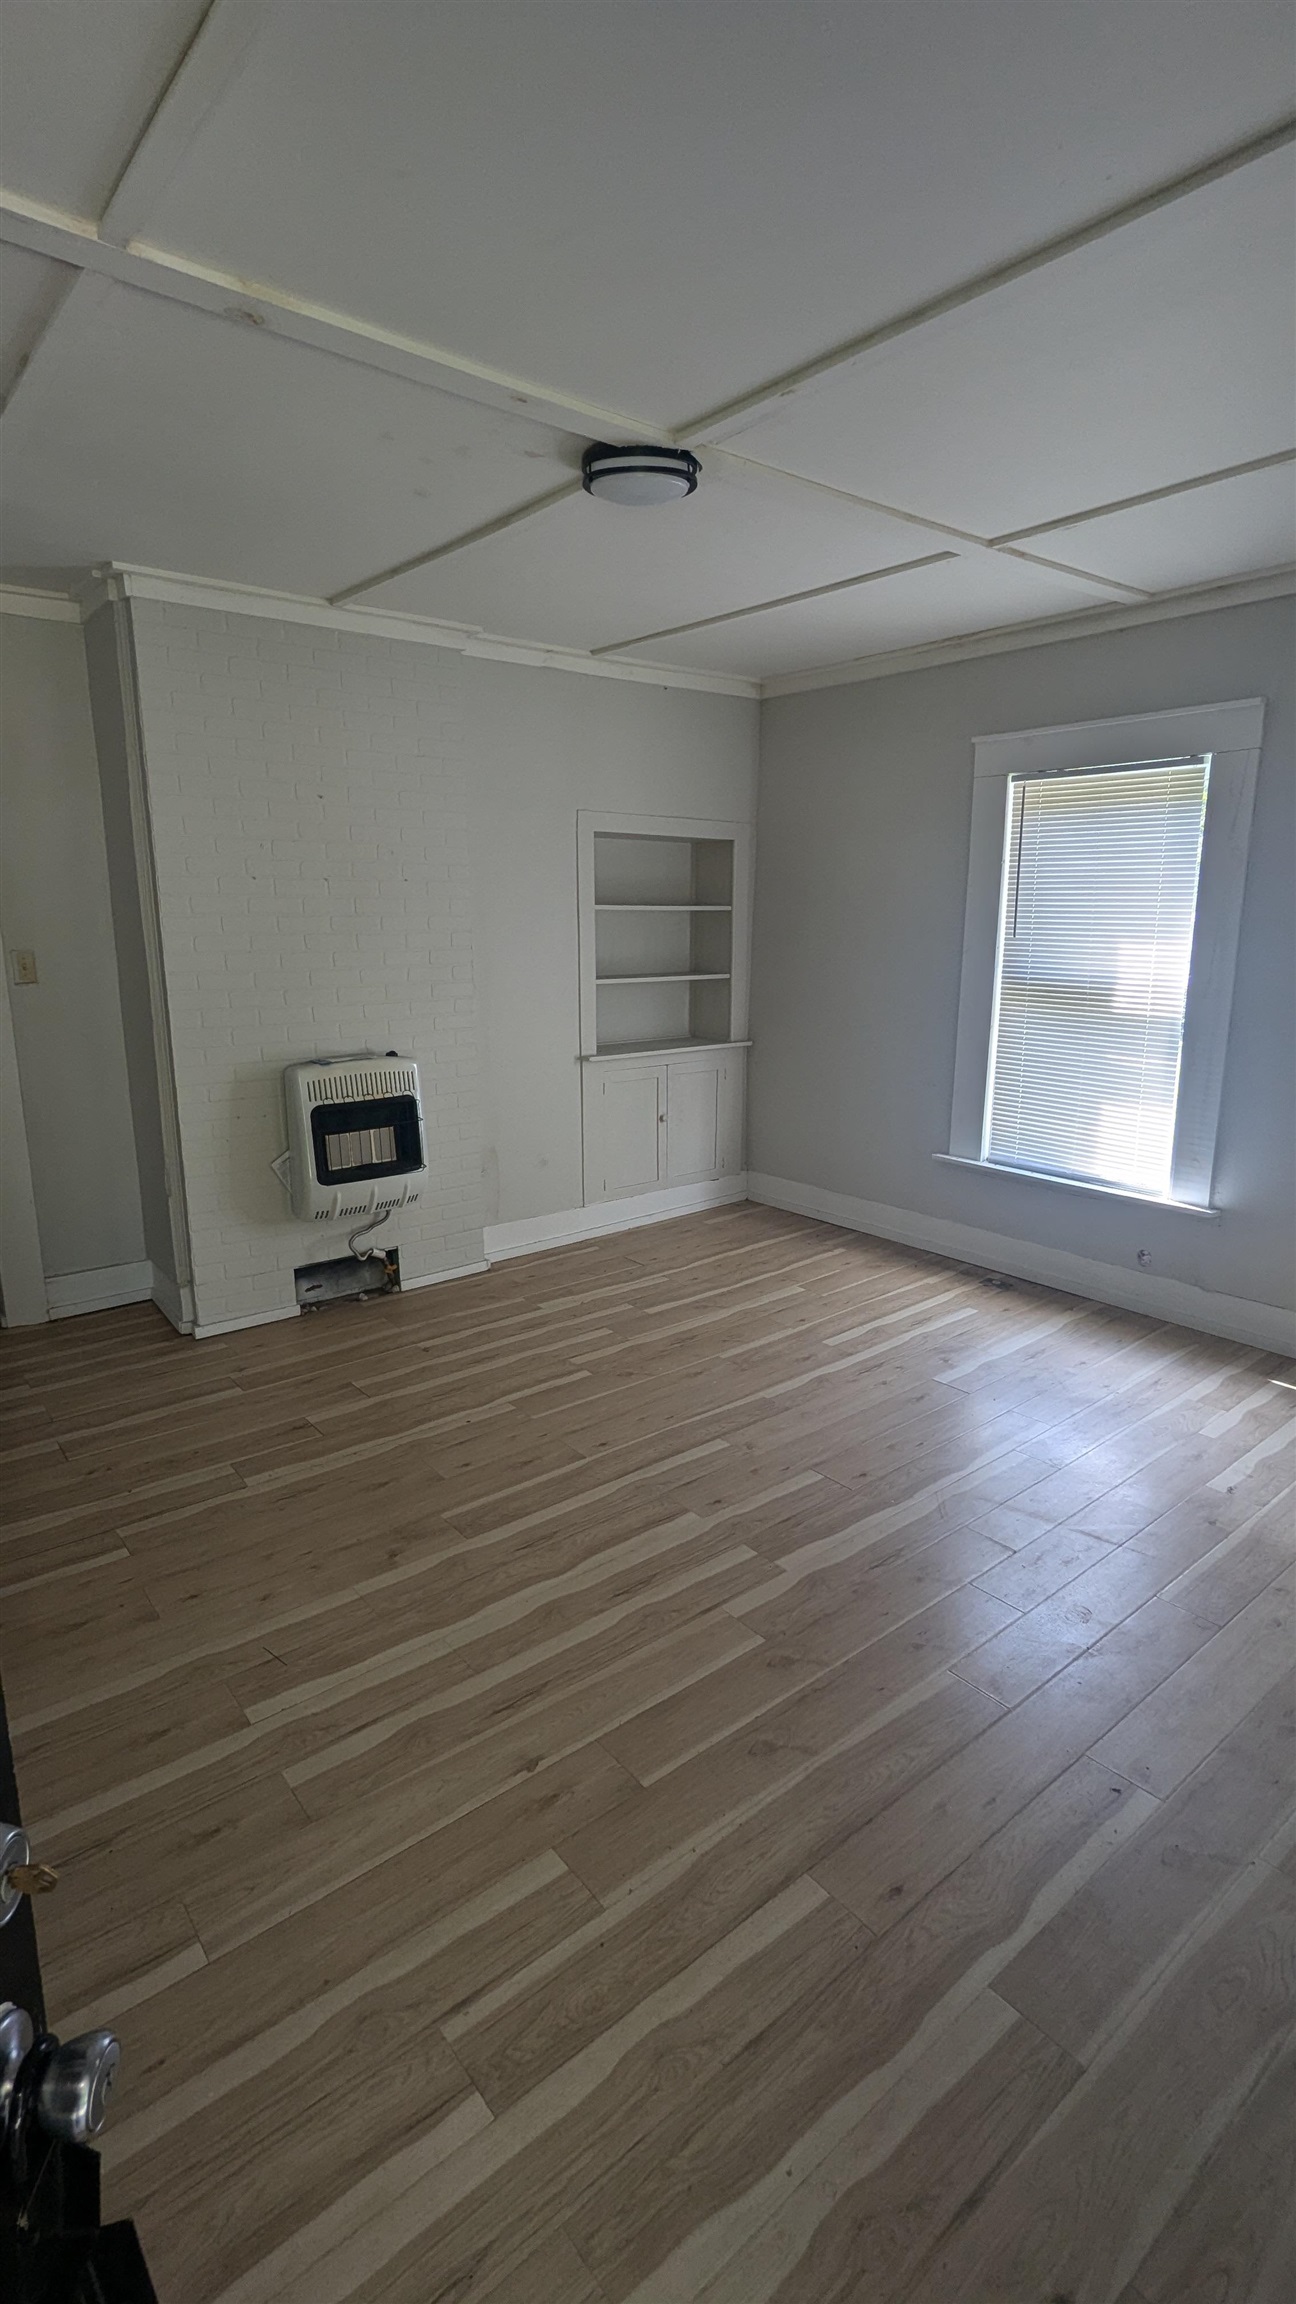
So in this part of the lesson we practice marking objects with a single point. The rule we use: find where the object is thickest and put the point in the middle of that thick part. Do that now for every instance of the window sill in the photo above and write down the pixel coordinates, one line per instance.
(1077, 1184)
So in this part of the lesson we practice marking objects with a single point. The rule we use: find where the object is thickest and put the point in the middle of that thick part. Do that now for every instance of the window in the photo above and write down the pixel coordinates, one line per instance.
(1095, 937)
(1104, 899)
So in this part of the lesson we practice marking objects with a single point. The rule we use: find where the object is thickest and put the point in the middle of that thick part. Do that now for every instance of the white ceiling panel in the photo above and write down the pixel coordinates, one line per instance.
(1159, 353)
(1234, 528)
(31, 288)
(957, 596)
(79, 80)
(587, 574)
(657, 204)
(170, 438)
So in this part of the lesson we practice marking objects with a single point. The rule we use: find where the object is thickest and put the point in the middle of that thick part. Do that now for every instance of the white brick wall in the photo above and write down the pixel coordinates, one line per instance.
(307, 798)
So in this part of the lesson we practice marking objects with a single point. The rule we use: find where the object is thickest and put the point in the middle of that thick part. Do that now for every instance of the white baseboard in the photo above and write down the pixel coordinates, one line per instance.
(569, 1225)
(111, 1284)
(1270, 1326)
(204, 1328)
(434, 1279)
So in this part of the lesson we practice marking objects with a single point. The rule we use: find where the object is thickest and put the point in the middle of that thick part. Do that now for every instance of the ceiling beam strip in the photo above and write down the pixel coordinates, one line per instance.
(1148, 496)
(47, 231)
(208, 68)
(747, 407)
(1127, 592)
(963, 541)
(23, 348)
(784, 600)
(493, 527)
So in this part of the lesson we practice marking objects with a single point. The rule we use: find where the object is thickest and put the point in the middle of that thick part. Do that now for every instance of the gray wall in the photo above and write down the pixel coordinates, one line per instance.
(54, 899)
(540, 745)
(862, 846)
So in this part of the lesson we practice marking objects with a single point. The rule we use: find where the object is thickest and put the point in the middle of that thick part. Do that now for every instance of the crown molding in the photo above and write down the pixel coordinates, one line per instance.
(122, 581)
(1004, 640)
(46, 607)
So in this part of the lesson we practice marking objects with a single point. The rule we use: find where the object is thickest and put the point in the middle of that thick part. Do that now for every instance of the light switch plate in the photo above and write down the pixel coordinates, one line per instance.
(22, 967)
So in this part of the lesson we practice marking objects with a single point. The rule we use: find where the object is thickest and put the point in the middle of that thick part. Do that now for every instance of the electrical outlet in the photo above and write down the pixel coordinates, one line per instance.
(1145, 1259)
(22, 967)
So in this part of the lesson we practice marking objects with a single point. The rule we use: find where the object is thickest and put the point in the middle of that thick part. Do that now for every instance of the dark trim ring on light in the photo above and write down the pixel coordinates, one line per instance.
(639, 475)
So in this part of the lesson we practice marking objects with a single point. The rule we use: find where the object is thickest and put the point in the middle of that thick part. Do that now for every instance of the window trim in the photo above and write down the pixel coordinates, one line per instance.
(1231, 733)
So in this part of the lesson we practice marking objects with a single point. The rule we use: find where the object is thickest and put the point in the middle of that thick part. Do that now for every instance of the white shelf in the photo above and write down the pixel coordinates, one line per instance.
(636, 1048)
(711, 976)
(659, 906)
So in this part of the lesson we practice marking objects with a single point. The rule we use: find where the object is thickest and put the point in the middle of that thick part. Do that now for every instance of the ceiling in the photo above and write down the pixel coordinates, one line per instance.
(979, 313)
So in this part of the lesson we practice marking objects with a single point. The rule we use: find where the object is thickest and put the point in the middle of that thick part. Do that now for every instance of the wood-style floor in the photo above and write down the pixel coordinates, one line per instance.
(737, 1763)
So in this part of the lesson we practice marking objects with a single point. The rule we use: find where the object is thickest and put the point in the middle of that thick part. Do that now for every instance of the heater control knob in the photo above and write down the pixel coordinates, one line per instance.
(76, 2085)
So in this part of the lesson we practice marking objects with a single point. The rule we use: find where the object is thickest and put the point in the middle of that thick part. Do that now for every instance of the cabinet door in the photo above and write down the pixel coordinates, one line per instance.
(624, 1144)
(692, 1121)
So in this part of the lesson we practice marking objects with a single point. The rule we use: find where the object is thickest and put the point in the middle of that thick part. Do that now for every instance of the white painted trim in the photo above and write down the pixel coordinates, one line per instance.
(1083, 623)
(205, 1328)
(570, 1225)
(99, 1290)
(434, 1279)
(1269, 1326)
(120, 581)
(53, 607)
(123, 581)
(1236, 725)
(1076, 1184)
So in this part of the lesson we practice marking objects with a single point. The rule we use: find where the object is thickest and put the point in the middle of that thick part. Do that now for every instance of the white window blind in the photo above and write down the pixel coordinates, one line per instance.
(1095, 940)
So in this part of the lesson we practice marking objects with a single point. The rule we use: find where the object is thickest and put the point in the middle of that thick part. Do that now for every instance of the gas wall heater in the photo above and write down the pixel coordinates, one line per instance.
(355, 1135)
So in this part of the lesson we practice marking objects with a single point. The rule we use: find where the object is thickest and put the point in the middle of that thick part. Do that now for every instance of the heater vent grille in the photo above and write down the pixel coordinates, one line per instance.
(362, 1081)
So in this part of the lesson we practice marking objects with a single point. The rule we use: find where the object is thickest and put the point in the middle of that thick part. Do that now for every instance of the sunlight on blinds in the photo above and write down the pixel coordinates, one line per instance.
(1100, 890)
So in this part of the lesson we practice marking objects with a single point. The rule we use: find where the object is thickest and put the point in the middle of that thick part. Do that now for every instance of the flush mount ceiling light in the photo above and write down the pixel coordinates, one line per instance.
(639, 475)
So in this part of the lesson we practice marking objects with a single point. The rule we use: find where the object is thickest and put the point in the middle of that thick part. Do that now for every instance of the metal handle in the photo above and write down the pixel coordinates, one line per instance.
(72, 2102)
(19, 1877)
(16, 2036)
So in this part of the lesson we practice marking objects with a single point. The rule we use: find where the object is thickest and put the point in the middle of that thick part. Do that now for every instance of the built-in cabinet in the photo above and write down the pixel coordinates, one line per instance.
(676, 1120)
(665, 907)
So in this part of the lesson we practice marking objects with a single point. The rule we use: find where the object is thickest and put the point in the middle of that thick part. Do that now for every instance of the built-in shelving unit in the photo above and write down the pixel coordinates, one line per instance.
(660, 963)
(664, 906)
